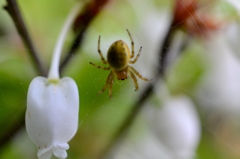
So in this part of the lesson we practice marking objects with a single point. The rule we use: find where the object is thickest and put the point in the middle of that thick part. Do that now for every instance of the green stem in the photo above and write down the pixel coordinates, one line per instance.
(54, 69)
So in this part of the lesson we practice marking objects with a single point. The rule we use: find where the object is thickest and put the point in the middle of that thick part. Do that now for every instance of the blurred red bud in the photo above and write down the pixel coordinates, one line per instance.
(189, 16)
(183, 10)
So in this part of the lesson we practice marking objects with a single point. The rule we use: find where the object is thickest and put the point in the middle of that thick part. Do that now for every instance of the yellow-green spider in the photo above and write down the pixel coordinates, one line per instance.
(119, 58)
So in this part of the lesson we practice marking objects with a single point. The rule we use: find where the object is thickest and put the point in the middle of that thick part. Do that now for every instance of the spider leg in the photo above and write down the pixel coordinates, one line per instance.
(137, 73)
(114, 73)
(110, 88)
(103, 89)
(106, 84)
(132, 44)
(100, 67)
(109, 83)
(136, 58)
(100, 53)
(134, 80)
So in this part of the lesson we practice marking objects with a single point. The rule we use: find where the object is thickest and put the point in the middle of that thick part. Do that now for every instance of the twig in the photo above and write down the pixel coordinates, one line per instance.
(73, 49)
(148, 91)
(81, 24)
(13, 10)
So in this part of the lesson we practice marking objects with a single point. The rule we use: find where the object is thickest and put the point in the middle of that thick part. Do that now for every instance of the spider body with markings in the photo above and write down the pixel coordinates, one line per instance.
(119, 57)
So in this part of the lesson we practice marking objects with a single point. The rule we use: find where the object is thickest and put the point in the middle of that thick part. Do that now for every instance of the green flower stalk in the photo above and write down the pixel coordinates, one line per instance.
(53, 105)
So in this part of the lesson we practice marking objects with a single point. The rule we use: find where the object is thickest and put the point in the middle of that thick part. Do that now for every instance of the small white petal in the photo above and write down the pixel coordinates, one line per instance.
(60, 153)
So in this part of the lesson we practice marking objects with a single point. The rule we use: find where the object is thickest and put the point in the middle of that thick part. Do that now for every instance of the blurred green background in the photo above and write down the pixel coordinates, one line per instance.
(100, 116)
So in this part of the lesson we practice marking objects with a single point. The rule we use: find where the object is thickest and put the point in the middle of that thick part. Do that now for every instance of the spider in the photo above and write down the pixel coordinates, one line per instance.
(119, 58)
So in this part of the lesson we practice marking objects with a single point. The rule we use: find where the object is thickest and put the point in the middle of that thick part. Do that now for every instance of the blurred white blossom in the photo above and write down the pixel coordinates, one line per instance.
(177, 126)
(232, 37)
(235, 3)
(219, 88)
(172, 131)
(148, 147)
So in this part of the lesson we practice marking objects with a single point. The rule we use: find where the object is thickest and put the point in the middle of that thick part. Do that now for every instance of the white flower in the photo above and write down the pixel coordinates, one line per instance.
(52, 115)
(219, 89)
(52, 106)
(173, 131)
(177, 126)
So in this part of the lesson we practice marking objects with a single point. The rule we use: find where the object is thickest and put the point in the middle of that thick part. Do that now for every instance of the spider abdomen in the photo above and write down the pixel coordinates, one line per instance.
(118, 55)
